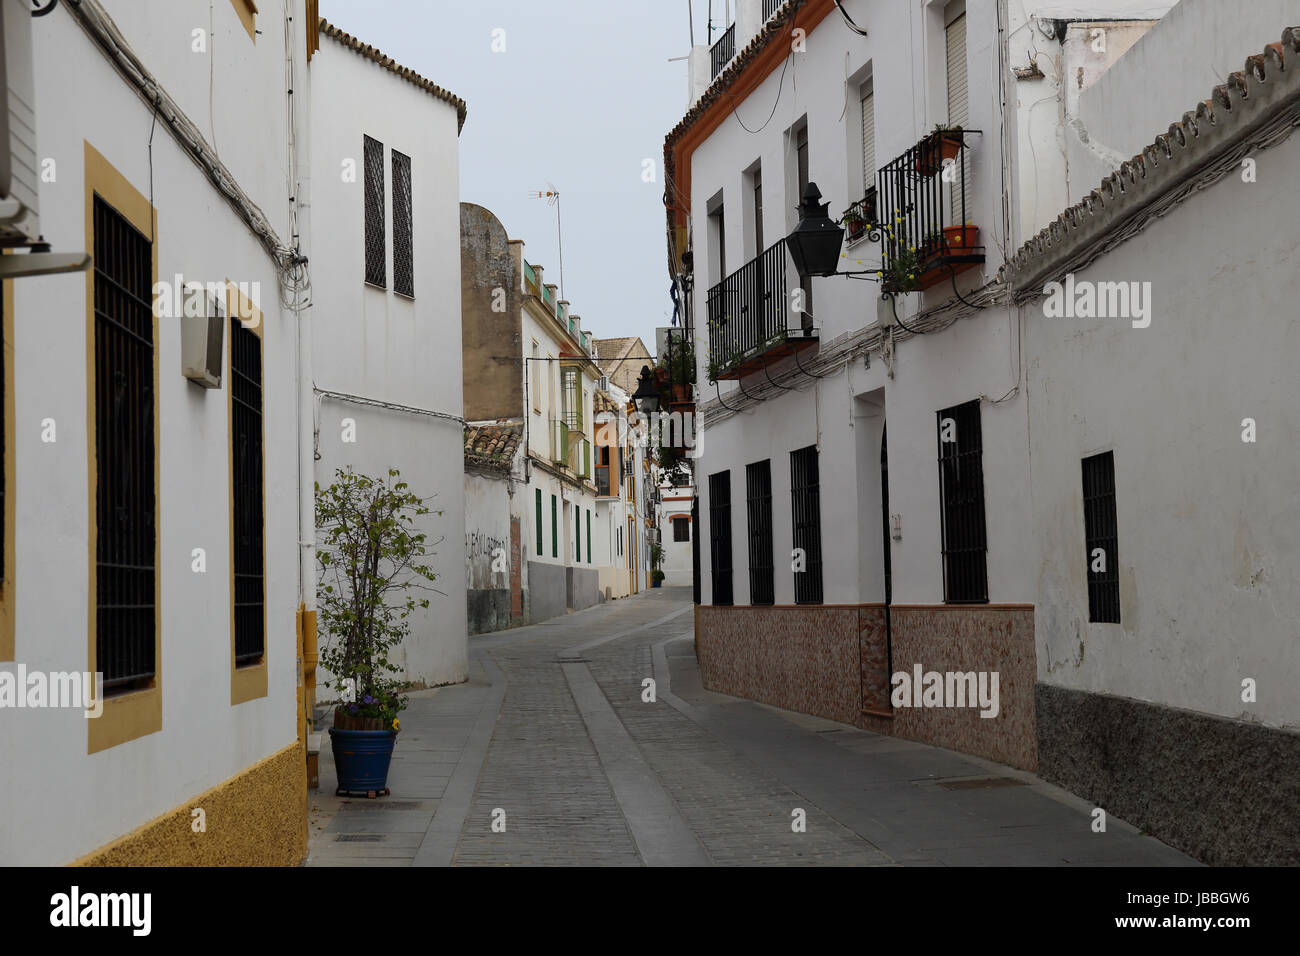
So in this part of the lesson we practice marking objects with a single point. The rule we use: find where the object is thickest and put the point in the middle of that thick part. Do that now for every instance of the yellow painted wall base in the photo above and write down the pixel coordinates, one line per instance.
(257, 818)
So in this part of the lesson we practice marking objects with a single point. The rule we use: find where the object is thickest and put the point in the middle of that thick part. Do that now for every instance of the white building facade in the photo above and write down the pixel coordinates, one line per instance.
(901, 482)
(384, 223)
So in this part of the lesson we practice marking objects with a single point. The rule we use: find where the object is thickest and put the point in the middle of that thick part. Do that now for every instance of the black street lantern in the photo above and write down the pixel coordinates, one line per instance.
(815, 243)
(646, 395)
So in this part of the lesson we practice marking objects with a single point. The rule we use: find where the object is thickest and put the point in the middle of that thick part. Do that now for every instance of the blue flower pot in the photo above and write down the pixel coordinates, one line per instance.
(361, 759)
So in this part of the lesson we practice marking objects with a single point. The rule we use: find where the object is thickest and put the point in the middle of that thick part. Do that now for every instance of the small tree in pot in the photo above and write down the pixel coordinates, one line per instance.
(371, 558)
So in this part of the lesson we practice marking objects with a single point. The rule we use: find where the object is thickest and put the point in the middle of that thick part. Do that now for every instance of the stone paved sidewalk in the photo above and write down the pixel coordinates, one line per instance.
(552, 732)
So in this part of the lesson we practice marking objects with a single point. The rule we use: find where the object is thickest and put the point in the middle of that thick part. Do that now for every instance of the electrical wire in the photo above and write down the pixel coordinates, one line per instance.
(860, 31)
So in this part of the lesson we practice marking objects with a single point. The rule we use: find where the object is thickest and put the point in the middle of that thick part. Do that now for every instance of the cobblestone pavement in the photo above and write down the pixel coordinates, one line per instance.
(552, 755)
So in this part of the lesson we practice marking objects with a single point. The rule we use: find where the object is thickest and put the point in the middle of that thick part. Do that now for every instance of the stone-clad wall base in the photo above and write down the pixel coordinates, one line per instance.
(831, 661)
(981, 638)
(256, 818)
(1224, 791)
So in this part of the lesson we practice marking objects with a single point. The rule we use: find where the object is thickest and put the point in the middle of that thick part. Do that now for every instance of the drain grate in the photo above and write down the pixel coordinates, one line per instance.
(360, 838)
(979, 783)
(381, 805)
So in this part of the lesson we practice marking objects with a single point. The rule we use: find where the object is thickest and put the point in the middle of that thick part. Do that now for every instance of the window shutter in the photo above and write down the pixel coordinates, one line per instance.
(958, 106)
(868, 140)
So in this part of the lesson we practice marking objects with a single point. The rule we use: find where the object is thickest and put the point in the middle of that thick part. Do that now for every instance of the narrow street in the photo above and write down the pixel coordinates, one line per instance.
(550, 756)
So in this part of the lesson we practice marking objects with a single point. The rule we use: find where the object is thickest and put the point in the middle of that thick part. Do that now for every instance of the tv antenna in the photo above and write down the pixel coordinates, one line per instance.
(552, 197)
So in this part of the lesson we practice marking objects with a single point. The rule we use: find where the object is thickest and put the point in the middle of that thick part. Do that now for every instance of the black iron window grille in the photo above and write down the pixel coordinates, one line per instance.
(403, 244)
(720, 536)
(373, 159)
(246, 485)
(681, 529)
(922, 204)
(695, 552)
(758, 504)
(1100, 524)
(126, 493)
(723, 50)
(747, 309)
(961, 501)
(806, 510)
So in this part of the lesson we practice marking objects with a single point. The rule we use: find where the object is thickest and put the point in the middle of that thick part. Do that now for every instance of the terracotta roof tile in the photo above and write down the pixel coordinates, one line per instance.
(493, 445)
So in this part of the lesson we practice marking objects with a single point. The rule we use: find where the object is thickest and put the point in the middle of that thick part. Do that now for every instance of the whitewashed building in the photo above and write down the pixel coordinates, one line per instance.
(151, 442)
(384, 223)
(902, 481)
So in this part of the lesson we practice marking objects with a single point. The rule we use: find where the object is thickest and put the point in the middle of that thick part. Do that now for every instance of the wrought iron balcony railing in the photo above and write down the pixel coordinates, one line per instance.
(749, 316)
(924, 208)
(770, 7)
(720, 53)
(860, 218)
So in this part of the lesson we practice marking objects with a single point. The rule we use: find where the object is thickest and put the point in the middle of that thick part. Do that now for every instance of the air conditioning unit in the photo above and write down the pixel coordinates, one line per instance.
(19, 222)
(604, 383)
(203, 332)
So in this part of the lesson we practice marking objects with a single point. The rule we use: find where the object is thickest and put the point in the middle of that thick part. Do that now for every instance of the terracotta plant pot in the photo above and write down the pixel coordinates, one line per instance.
(941, 145)
(960, 238)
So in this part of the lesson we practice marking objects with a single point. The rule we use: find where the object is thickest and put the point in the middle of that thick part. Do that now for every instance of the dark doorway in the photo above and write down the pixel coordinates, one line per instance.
(884, 531)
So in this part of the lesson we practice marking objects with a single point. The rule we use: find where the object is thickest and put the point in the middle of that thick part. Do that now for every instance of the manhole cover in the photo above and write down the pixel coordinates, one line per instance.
(359, 838)
(979, 783)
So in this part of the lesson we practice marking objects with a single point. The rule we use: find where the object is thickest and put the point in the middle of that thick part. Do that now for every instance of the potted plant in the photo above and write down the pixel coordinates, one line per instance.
(371, 557)
(656, 560)
(854, 224)
(678, 365)
(900, 268)
(657, 578)
(959, 240)
(942, 144)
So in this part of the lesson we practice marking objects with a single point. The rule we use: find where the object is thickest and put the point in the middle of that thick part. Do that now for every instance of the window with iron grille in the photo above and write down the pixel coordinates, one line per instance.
(758, 502)
(806, 512)
(1100, 529)
(681, 529)
(538, 510)
(720, 536)
(572, 399)
(961, 500)
(373, 156)
(246, 488)
(125, 529)
(403, 246)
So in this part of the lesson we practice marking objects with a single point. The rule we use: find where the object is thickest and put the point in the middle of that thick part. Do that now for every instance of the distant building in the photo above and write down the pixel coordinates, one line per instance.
(527, 359)
(622, 360)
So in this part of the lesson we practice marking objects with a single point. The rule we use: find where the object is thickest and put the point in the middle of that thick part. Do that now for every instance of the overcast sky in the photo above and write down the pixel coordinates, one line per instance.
(581, 96)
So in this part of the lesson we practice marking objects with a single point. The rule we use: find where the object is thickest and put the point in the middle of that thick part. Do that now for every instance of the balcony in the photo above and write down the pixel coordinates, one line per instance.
(748, 318)
(927, 236)
(722, 52)
(861, 217)
(770, 7)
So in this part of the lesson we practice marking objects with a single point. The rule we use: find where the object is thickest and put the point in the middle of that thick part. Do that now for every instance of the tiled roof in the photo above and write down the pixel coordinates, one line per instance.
(1256, 108)
(388, 63)
(493, 445)
(613, 348)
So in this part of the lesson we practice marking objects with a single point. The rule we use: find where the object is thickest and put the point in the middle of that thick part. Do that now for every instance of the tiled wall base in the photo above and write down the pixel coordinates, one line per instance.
(1224, 791)
(257, 818)
(830, 661)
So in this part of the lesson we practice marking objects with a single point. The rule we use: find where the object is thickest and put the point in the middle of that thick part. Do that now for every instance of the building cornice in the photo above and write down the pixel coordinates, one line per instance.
(1256, 108)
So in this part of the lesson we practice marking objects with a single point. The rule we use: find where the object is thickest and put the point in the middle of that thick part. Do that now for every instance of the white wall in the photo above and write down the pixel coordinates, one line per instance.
(376, 344)
(1207, 549)
(69, 802)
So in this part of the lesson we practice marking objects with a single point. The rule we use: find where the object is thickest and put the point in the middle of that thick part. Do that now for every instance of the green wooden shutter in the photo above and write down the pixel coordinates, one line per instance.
(589, 536)
(538, 511)
(555, 537)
